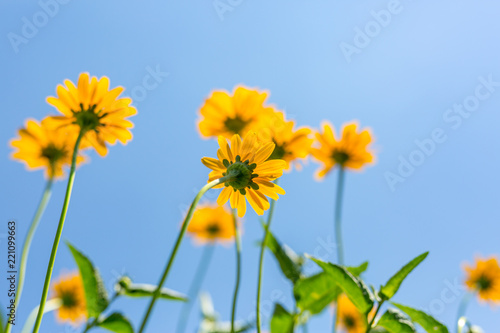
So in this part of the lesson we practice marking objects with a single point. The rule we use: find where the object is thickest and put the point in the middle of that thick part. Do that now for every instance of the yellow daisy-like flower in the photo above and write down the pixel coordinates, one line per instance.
(350, 151)
(39, 145)
(94, 109)
(349, 319)
(227, 115)
(484, 278)
(250, 171)
(69, 289)
(291, 144)
(210, 224)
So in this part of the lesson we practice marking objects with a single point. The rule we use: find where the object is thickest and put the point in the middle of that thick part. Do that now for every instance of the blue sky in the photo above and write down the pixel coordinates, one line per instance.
(404, 77)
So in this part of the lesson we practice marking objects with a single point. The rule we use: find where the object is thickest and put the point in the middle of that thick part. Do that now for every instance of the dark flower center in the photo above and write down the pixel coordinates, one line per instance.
(349, 322)
(483, 283)
(235, 125)
(241, 174)
(340, 157)
(52, 153)
(68, 300)
(213, 229)
(88, 119)
(278, 153)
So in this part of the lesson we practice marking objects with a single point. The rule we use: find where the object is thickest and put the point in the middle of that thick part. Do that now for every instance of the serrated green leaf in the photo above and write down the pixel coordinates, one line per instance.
(428, 323)
(316, 292)
(353, 287)
(396, 322)
(148, 290)
(95, 293)
(282, 321)
(392, 286)
(290, 263)
(358, 270)
(117, 323)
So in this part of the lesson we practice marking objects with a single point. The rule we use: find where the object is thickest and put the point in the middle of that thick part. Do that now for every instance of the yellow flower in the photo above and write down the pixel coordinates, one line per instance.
(246, 162)
(291, 144)
(39, 145)
(227, 115)
(211, 223)
(69, 289)
(484, 278)
(350, 151)
(94, 109)
(349, 319)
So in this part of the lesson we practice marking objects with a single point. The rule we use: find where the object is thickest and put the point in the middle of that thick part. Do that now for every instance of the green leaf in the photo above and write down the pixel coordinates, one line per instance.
(282, 321)
(316, 292)
(392, 286)
(290, 263)
(396, 322)
(353, 287)
(428, 323)
(125, 287)
(117, 323)
(358, 270)
(95, 293)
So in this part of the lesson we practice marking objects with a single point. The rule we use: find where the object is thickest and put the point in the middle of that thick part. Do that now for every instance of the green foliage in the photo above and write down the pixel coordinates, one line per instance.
(282, 320)
(117, 323)
(396, 322)
(392, 286)
(428, 323)
(125, 287)
(95, 294)
(359, 294)
(290, 263)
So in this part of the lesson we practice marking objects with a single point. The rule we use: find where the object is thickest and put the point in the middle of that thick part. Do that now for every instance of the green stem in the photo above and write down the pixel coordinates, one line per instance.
(91, 324)
(51, 305)
(369, 327)
(462, 308)
(176, 247)
(334, 318)
(338, 216)
(27, 243)
(194, 289)
(261, 260)
(57, 238)
(237, 245)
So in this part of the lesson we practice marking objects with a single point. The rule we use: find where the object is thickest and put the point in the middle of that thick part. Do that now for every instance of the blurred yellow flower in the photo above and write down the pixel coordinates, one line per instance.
(39, 145)
(210, 224)
(69, 289)
(247, 162)
(291, 144)
(95, 110)
(484, 278)
(227, 115)
(350, 151)
(349, 319)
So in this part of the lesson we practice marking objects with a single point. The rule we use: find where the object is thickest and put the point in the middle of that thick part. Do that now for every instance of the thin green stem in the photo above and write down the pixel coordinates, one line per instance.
(57, 238)
(176, 247)
(370, 325)
(27, 243)
(334, 318)
(462, 308)
(338, 216)
(261, 261)
(237, 245)
(51, 305)
(194, 289)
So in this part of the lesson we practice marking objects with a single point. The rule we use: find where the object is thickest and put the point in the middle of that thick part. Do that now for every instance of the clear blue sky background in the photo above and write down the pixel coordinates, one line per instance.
(126, 208)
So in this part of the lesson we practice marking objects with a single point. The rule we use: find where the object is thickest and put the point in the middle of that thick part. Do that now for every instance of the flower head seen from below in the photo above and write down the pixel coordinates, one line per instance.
(226, 115)
(210, 224)
(290, 144)
(349, 151)
(484, 279)
(69, 289)
(250, 173)
(39, 145)
(95, 110)
(349, 319)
